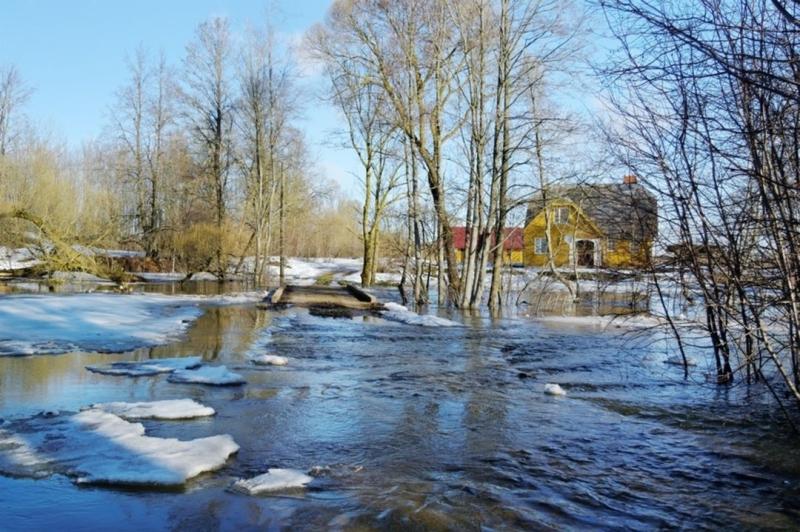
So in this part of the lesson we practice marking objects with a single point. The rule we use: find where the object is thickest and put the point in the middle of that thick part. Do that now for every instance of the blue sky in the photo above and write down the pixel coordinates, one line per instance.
(72, 53)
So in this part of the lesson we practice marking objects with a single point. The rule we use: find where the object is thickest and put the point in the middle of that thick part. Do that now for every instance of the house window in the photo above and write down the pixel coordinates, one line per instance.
(611, 245)
(634, 247)
(540, 246)
(561, 215)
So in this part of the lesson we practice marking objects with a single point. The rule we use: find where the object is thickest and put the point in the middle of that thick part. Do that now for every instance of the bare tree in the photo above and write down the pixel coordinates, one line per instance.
(709, 111)
(13, 95)
(209, 108)
(268, 103)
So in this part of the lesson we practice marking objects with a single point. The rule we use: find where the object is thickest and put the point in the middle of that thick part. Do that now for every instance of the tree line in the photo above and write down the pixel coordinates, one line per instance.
(200, 165)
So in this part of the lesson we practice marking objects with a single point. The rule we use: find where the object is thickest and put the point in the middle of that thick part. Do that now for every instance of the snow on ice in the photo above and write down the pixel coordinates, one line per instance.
(167, 409)
(395, 312)
(46, 324)
(212, 375)
(273, 480)
(146, 368)
(97, 447)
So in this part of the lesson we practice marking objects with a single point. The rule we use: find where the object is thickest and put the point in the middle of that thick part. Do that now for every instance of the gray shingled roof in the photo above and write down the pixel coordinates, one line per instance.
(622, 212)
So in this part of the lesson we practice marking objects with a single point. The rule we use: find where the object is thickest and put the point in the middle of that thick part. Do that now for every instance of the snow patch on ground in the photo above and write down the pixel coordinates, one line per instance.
(147, 368)
(39, 324)
(396, 312)
(211, 375)
(167, 409)
(273, 480)
(16, 259)
(270, 360)
(97, 447)
(305, 271)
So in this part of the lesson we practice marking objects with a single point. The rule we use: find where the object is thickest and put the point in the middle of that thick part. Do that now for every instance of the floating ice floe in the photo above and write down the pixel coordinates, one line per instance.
(677, 360)
(50, 324)
(97, 447)
(145, 368)
(211, 375)
(395, 312)
(554, 389)
(273, 480)
(167, 409)
(270, 360)
(203, 276)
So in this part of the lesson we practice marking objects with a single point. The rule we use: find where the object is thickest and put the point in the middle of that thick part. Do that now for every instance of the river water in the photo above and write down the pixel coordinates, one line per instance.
(429, 428)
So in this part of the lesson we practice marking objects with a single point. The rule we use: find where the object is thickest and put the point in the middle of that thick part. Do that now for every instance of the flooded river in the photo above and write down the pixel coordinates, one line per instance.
(411, 427)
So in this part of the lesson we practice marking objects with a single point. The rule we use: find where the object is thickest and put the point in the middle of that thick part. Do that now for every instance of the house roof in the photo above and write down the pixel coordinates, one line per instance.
(512, 238)
(621, 211)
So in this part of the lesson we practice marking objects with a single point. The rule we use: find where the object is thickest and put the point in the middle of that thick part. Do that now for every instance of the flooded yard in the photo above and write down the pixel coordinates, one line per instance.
(408, 426)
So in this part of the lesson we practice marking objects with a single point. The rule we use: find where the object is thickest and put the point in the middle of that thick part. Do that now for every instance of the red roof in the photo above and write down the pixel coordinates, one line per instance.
(512, 238)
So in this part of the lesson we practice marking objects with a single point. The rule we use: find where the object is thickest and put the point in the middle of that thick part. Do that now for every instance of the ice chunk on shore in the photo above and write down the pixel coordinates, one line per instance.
(168, 409)
(270, 360)
(395, 312)
(554, 389)
(97, 447)
(49, 324)
(273, 480)
(212, 375)
(145, 368)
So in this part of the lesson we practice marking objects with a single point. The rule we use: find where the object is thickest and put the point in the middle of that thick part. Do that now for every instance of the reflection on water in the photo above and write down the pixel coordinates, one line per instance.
(587, 303)
(435, 428)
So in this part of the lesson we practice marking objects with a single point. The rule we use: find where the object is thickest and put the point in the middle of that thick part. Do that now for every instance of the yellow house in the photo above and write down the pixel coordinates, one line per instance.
(588, 226)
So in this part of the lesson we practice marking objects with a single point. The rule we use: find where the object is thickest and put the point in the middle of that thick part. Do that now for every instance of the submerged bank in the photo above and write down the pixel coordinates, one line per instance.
(443, 427)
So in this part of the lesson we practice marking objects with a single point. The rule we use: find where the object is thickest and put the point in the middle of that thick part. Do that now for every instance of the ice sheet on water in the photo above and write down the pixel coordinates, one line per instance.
(273, 480)
(50, 324)
(97, 447)
(167, 409)
(395, 312)
(145, 368)
(211, 375)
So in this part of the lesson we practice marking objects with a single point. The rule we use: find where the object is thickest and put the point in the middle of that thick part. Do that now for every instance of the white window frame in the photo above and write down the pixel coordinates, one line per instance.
(558, 219)
(536, 245)
(611, 245)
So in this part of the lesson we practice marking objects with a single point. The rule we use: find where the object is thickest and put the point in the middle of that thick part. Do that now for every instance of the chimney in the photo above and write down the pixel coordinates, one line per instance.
(629, 179)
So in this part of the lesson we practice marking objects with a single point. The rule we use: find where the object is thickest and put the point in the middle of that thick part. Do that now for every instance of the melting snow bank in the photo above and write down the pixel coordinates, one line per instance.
(169, 409)
(395, 312)
(50, 324)
(273, 480)
(212, 375)
(270, 360)
(146, 368)
(97, 447)
(606, 321)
